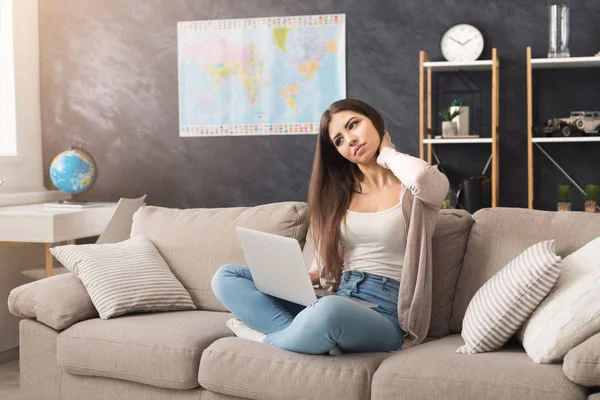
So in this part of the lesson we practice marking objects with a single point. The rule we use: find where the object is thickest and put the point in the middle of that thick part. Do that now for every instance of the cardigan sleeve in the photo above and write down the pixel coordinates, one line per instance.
(425, 182)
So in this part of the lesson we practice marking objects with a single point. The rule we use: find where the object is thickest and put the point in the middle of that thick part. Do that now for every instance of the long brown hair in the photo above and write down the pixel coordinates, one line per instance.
(334, 179)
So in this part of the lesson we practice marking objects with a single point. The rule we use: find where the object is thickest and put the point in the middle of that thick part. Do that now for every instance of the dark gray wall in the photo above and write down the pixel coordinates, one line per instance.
(109, 83)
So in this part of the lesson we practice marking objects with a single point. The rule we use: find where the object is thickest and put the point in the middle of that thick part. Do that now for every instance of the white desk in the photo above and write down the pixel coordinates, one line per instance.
(33, 223)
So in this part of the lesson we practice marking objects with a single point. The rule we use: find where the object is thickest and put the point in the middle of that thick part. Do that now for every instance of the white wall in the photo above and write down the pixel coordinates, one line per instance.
(24, 171)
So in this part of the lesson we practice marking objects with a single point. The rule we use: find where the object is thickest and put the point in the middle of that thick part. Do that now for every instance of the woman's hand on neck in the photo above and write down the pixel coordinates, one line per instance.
(375, 176)
(386, 142)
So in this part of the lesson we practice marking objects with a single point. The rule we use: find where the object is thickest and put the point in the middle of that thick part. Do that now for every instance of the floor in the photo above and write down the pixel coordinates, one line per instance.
(9, 381)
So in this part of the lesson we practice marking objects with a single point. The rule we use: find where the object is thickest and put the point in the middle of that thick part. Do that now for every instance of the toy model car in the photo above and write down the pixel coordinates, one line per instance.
(584, 122)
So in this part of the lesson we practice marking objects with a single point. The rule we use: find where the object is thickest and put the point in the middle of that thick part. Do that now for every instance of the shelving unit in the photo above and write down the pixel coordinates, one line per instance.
(551, 63)
(426, 69)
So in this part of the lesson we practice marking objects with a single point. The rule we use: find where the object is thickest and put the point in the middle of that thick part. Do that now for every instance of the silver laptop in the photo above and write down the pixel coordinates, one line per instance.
(278, 268)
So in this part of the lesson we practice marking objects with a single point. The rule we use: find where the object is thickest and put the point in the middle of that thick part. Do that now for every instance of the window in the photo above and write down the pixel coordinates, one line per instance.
(20, 116)
(8, 133)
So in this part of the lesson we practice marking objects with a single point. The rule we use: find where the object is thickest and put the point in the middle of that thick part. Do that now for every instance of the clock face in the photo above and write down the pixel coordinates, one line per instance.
(462, 43)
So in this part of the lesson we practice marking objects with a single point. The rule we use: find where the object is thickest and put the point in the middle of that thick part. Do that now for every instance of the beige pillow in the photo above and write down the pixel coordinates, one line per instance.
(449, 244)
(125, 277)
(503, 304)
(582, 363)
(570, 314)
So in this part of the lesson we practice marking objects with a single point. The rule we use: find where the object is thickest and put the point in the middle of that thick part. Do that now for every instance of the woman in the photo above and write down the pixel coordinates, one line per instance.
(372, 214)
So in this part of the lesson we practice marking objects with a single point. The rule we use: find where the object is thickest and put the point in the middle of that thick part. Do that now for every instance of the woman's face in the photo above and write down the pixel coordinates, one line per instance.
(354, 137)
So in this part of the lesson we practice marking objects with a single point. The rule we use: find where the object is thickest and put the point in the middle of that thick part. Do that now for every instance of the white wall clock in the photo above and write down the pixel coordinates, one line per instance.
(462, 42)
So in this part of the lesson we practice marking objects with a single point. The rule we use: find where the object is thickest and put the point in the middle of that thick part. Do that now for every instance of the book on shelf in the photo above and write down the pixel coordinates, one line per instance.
(71, 205)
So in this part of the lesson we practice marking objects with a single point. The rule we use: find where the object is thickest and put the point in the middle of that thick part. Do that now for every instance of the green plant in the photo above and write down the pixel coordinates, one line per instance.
(564, 193)
(448, 115)
(591, 192)
(458, 102)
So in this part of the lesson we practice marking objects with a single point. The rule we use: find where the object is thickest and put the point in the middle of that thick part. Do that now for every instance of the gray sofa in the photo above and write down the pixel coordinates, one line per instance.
(68, 353)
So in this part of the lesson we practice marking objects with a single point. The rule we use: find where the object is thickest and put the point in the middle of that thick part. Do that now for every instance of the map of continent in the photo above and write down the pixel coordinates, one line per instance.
(259, 76)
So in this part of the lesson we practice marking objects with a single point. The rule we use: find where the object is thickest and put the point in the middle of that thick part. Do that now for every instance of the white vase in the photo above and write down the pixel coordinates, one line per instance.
(449, 128)
(559, 31)
(461, 120)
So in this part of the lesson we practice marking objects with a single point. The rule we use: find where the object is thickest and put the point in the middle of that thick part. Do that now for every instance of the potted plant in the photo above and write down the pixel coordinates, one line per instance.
(564, 198)
(462, 120)
(449, 127)
(591, 197)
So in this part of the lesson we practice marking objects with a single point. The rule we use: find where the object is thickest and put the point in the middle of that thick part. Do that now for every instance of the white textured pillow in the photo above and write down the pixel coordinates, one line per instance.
(571, 312)
(125, 277)
(503, 303)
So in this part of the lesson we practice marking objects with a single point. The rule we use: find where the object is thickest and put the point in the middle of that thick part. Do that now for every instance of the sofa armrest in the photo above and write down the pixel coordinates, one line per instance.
(58, 301)
(582, 363)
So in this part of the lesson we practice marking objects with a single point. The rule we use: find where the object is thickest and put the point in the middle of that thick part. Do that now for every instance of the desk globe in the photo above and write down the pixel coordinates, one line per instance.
(73, 171)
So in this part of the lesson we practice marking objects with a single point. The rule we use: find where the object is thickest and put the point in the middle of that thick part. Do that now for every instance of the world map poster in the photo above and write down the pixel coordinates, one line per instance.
(259, 76)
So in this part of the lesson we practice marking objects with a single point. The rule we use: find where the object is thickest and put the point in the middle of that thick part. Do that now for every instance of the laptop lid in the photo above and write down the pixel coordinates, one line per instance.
(277, 265)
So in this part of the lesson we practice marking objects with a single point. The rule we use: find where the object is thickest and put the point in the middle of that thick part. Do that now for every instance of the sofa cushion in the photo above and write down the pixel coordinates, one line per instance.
(434, 371)
(239, 367)
(449, 246)
(58, 301)
(80, 387)
(160, 349)
(196, 242)
(500, 234)
(582, 363)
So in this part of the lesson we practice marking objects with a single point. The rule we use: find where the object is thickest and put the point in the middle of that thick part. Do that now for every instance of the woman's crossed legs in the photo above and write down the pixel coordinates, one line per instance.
(328, 322)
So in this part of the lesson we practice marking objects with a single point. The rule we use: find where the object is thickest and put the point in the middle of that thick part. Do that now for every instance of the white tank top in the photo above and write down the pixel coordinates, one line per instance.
(375, 242)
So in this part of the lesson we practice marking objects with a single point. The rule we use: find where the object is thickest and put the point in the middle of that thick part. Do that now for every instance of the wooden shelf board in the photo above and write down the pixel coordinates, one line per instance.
(457, 141)
(565, 139)
(441, 66)
(568, 62)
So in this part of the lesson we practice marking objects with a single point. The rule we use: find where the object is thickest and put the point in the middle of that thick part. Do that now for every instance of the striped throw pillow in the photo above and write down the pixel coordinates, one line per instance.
(503, 304)
(125, 277)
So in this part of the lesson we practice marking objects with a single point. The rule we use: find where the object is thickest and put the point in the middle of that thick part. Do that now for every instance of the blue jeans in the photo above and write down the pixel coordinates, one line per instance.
(327, 322)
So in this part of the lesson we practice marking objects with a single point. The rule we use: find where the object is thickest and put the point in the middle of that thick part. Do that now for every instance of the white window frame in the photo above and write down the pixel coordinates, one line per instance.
(8, 128)
(22, 170)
